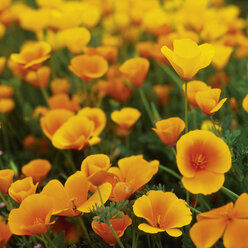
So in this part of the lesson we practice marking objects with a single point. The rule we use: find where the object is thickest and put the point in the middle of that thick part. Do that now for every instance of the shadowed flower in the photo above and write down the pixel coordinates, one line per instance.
(119, 225)
(75, 133)
(60, 85)
(32, 55)
(95, 167)
(126, 179)
(53, 120)
(5, 233)
(37, 169)
(97, 116)
(72, 199)
(135, 70)
(6, 178)
(6, 91)
(230, 220)
(21, 189)
(163, 211)
(88, 67)
(126, 117)
(6, 105)
(188, 58)
(192, 88)
(163, 94)
(202, 159)
(33, 215)
(208, 101)
(168, 130)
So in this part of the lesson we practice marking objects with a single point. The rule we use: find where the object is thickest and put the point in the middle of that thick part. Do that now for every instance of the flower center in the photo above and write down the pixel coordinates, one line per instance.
(199, 161)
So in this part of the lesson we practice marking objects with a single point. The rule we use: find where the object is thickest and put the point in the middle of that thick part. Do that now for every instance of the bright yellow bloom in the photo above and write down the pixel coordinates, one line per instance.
(163, 211)
(188, 58)
(222, 55)
(202, 159)
(6, 105)
(6, 178)
(245, 103)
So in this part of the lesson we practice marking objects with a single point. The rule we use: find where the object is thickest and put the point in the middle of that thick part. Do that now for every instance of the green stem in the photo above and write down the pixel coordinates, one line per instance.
(43, 91)
(146, 104)
(108, 222)
(204, 203)
(173, 173)
(173, 150)
(4, 201)
(155, 112)
(214, 126)
(68, 156)
(49, 241)
(43, 239)
(85, 232)
(229, 193)
(193, 209)
(186, 107)
(187, 196)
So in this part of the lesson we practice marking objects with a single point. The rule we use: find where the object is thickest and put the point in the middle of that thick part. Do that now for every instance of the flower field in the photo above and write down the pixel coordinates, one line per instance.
(123, 123)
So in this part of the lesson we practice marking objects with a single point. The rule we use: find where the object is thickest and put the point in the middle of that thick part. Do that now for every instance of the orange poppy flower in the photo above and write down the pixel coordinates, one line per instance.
(75, 38)
(202, 159)
(21, 189)
(163, 211)
(5, 233)
(37, 169)
(168, 130)
(163, 94)
(245, 103)
(95, 167)
(6, 91)
(126, 117)
(192, 88)
(107, 52)
(53, 120)
(60, 85)
(208, 101)
(6, 105)
(44, 75)
(75, 133)
(33, 215)
(32, 55)
(230, 220)
(126, 179)
(97, 116)
(88, 67)
(135, 70)
(188, 58)
(72, 199)
(4, 5)
(6, 178)
(63, 101)
(119, 225)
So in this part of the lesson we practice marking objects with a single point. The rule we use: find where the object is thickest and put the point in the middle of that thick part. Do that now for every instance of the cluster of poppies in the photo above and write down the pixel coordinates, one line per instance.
(83, 83)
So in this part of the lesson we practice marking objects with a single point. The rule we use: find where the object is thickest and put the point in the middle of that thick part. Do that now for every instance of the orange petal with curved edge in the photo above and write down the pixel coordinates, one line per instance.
(207, 52)
(218, 106)
(206, 233)
(240, 207)
(236, 233)
(94, 200)
(204, 182)
(149, 229)
(174, 232)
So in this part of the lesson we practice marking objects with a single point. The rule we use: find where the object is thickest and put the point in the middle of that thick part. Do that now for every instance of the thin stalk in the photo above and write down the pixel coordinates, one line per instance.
(214, 126)
(147, 106)
(43, 91)
(68, 156)
(187, 196)
(155, 112)
(204, 203)
(85, 232)
(133, 238)
(43, 239)
(229, 192)
(186, 108)
(170, 171)
(49, 241)
(194, 210)
(108, 222)
(173, 150)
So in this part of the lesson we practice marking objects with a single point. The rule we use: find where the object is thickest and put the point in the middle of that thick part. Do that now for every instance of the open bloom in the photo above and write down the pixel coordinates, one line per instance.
(97, 116)
(163, 211)
(72, 199)
(95, 167)
(32, 55)
(119, 225)
(5, 233)
(230, 220)
(126, 117)
(75, 133)
(208, 101)
(126, 178)
(21, 189)
(88, 67)
(188, 58)
(33, 215)
(6, 178)
(168, 130)
(192, 88)
(202, 159)
(135, 70)
(37, 169)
